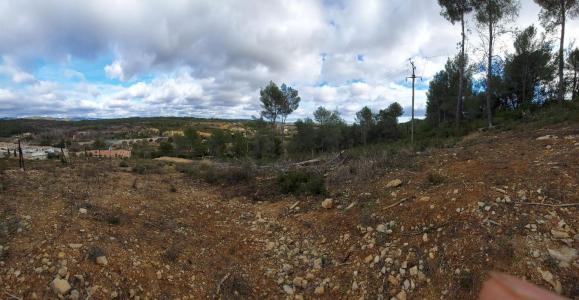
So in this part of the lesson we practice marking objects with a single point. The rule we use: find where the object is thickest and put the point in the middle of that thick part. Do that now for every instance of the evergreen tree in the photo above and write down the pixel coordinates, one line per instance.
(365, 119)
(290, 102)
(573, 67)
(491, 14)
(304, 139)
(387, 121)
(455, 11)
(442, 92)
(555, 13)
(529, 67)
(272, 103)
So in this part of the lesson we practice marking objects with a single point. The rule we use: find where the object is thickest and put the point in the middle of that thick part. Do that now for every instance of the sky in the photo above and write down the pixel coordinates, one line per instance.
(123, 58)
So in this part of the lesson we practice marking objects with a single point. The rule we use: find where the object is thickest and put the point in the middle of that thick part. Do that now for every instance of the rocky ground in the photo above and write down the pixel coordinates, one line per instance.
(496, 201)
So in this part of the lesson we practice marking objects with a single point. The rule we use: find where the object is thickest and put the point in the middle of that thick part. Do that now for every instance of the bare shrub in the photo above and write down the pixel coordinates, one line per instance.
(435, 178)
(362, 165)
(171, 254)
(148, 167)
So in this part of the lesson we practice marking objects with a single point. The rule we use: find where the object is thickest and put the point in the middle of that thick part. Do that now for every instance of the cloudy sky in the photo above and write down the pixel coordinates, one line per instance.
(120, 58)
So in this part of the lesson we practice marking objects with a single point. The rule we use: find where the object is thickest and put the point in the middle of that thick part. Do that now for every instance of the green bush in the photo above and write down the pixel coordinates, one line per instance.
(301, 183)
(123, 164)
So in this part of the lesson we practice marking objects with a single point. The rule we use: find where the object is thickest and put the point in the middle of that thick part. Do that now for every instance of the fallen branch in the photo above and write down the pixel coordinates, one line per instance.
(308, 162)
(294, 205)
(12, 296)
(550, 205)
(218, 292)
(337, 159)
(499, 190)
(395, 204)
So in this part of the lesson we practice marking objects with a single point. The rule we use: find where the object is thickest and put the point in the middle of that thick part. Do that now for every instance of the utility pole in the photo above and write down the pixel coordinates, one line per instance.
(413, 77)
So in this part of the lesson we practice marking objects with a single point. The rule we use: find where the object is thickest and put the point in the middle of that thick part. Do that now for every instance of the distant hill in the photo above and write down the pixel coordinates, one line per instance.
(11, 127)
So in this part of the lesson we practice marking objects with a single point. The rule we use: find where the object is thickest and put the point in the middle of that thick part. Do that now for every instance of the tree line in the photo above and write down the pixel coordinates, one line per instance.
(523, 80)
(327, 131)
(530, 78)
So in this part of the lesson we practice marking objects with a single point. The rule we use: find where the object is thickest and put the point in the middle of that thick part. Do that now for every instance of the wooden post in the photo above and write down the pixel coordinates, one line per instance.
(21, 156)
(63, 159)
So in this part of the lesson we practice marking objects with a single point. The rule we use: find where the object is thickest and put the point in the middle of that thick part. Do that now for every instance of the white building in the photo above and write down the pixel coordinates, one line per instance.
(29, 151)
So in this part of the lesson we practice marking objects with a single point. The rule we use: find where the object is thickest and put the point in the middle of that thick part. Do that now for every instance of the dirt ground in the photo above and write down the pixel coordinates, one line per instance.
(99, 231)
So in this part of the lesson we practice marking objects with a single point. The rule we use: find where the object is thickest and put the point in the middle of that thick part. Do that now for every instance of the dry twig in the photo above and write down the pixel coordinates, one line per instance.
(12, 296)
(218, 292)
(396, 204)
(550, 205)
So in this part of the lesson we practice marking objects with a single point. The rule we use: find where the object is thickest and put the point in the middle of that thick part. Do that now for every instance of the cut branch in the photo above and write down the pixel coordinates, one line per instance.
(550, 205)
(396, 204)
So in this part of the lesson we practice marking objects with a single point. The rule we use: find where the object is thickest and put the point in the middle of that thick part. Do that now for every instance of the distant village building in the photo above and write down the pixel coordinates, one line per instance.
(170, 133)
(31, 152)
(127, 143)
(118, 153)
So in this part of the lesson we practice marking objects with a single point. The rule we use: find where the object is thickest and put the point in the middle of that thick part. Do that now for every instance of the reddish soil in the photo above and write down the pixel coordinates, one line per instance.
(465, 211)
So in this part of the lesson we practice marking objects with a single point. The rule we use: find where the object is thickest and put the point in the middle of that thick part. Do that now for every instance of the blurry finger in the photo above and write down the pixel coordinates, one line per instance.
(493, 290)
(503, 286)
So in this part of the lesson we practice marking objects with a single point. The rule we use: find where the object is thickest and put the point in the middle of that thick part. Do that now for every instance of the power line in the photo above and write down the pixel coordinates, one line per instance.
(413, 77)
(424, 60)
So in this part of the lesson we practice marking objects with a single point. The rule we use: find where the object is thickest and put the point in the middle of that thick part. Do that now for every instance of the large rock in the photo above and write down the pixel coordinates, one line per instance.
(548, 277)
(401, 295)
(564, 255)
(102, 260)
(559, 234)
(547, 137)
(60, 286)
(75, 246)
(288, 289)
(300, 282)
(394, 183)
(328, 203)
(381, 228)
(319, 290)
